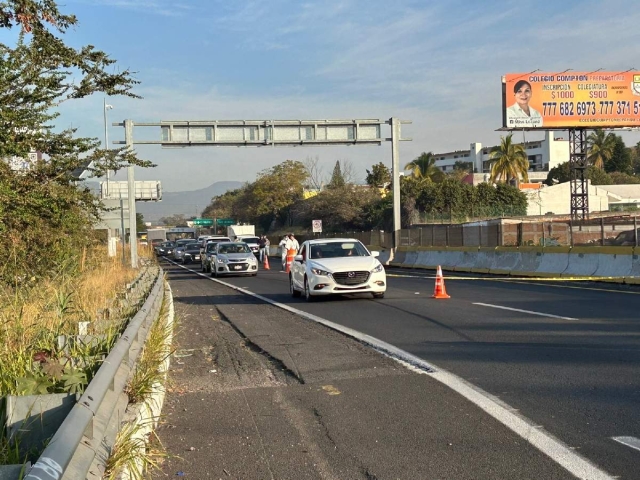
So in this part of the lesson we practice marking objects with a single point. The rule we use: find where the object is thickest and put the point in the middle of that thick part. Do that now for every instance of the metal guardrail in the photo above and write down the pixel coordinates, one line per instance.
(82, 443)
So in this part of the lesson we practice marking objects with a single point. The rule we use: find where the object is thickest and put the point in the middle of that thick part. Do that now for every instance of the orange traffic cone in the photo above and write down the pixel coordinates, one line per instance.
(440, 291)
(291, 253)
(265, 264)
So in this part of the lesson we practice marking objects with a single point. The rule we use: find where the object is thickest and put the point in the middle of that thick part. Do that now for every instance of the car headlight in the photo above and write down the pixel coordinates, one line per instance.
(322, 273)
(252, 260)
(221, 260)
(378, 268)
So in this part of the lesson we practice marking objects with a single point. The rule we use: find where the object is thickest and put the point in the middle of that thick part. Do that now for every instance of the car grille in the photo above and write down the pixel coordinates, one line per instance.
(233, 267)
(351, 278)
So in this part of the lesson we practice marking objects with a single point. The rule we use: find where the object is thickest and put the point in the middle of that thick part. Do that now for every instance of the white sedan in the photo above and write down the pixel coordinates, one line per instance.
(334, 266)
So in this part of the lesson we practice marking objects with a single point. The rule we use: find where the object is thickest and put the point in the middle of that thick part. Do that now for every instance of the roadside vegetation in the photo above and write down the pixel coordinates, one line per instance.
(55, 274)
(426, 195)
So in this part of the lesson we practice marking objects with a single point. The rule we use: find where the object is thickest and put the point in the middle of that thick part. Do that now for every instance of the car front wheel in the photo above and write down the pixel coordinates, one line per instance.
(292, 288)
(378, 295)
(307, 291)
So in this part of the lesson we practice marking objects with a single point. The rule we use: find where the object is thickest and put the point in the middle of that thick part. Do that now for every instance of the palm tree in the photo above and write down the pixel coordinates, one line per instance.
(511, 161)
(424, 167)
(600, 147)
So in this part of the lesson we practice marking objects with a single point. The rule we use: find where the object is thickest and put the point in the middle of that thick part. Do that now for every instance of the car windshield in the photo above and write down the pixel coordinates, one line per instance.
(338, 249)
(192, 246)
(250, 239)
(233, 248)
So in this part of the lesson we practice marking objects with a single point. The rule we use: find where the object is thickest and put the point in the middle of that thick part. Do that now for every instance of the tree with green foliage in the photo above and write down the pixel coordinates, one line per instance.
(42, 209)
(337, 179)
(379, 176)
(340, 209)
(424, 167)
(509, 161)
(600, 147)
(620, 160)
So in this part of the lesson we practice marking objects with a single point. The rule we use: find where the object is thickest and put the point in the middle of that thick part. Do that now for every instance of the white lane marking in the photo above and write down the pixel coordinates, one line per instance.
(502, 412)
(526, 311)
(632, 442)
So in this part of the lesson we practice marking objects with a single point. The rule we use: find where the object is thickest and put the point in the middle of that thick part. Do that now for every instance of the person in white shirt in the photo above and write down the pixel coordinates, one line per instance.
(283, 250)
(293, 243)
(520, 114)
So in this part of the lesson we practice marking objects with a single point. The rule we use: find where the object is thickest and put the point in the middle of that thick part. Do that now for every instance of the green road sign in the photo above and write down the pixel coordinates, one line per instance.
(203, 222)
(225, 222)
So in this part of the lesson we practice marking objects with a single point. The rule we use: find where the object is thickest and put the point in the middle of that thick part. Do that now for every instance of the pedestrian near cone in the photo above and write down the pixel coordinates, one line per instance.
(440, 291)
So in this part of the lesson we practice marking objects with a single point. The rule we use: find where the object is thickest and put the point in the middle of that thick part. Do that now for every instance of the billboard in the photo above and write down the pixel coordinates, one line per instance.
(571, 100)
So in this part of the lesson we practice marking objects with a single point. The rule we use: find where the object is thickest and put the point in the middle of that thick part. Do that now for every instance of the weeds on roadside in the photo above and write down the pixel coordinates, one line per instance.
(32, 318)
(151, 369)
(133, 453)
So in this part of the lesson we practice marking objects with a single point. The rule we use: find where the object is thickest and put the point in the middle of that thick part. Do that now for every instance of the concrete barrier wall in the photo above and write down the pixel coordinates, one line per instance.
(410, 259)
(467, 260)
(634, 273)
(553, 262)
(485, 260)
(583, 262)
(529, 262)
(504, 260)
(614, 262)
(618, 264)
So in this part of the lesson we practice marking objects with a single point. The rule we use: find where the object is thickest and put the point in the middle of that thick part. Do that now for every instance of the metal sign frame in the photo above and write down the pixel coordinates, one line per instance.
(237, 133)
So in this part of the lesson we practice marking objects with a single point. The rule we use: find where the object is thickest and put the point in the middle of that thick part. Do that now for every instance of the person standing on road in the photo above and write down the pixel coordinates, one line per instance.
(283, 250)
(261, 246)
(294, 243)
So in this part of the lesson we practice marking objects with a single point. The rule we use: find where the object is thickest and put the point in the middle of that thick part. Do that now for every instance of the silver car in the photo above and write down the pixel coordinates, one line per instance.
(233, 258)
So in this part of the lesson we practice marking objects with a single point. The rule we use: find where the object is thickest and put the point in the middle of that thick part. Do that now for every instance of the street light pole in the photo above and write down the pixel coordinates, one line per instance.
(106, 107)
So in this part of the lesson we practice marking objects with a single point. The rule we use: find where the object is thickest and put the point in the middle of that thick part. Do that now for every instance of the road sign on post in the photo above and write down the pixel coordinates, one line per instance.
(225, 222)
(317, 226)
(203, 222)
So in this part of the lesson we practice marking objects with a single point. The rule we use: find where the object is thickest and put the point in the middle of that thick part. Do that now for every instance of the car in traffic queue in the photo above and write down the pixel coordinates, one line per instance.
(207, 253)
(252, 241)
(233, 258)
(178, 250)
(191, 253)
(336, 266)
(164, 249)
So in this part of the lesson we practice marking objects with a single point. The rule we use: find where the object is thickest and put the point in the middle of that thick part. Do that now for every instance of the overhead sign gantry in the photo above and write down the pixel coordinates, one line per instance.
(274, 133)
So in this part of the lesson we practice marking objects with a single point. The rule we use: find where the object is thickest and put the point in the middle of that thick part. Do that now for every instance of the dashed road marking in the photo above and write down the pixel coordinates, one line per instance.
(530, 312)
(632, 442)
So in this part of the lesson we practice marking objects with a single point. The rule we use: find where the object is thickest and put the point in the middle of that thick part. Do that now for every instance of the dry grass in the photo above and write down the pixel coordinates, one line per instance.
(31, 320)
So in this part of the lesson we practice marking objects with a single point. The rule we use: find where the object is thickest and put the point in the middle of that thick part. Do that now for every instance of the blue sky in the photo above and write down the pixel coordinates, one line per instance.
(436, 63)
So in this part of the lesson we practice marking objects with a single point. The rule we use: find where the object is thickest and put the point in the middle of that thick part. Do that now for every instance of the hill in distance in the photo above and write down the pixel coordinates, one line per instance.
(189, 204)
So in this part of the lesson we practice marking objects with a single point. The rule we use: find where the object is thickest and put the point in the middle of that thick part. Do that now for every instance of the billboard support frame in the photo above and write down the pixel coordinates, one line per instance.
(577, 172)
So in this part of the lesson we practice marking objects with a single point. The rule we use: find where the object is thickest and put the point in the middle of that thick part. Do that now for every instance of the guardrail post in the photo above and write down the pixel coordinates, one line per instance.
(635, 230)
(602, 231)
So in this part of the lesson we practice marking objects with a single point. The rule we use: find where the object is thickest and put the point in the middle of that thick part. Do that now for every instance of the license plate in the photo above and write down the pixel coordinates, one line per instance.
(237, 267)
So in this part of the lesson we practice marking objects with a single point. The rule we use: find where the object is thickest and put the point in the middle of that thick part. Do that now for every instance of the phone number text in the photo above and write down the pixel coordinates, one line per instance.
(603, 107)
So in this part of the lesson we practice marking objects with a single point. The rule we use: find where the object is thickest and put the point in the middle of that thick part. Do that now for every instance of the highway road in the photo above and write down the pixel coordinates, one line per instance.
(565, 355)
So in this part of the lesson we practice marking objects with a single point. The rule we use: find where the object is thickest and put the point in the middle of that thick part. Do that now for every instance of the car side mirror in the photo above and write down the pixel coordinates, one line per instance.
(298, 258)
(375, 253)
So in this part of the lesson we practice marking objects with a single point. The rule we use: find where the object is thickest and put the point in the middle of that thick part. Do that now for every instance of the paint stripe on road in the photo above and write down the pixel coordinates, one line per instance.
(632, 442)
(530, 312)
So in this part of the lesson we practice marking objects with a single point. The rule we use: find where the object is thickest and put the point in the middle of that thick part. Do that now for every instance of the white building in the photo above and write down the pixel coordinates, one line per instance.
(557, 199)
(542, 154)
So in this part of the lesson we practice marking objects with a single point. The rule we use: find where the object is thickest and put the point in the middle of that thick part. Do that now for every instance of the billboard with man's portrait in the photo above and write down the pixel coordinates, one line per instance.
(571, 100)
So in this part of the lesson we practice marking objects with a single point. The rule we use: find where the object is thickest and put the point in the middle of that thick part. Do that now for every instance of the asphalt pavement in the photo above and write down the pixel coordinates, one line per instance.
(257, 392)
